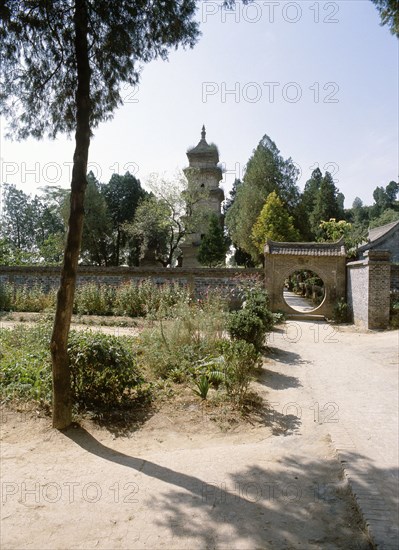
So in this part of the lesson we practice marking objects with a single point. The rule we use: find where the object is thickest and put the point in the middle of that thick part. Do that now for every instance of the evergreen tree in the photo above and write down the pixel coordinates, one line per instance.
(214, 244)
(328, 204)
(389, 13)
(62, 68)
(266, 171)
(308, 202)
(274, 223)
(122, 195)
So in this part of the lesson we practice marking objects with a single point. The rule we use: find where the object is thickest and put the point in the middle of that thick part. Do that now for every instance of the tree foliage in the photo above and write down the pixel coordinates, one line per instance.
(63, 65)
(163, 219)
(389, 12)
(39, 45)
(214, 244)
(266, 172)
(274, 223)
(31, 228)
(122, 195)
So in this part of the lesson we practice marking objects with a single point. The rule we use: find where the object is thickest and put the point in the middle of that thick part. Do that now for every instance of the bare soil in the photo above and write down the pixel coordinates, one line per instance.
(183, 474)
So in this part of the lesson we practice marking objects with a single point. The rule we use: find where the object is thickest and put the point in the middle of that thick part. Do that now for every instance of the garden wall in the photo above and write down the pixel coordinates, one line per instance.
(369, 283)
(395, 278)
(199, 280)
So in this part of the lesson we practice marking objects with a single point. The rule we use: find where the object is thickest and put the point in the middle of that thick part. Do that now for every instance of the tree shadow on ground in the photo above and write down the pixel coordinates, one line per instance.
(122, 421)
(260, 410)
(286, 357)
(278, 381)
(297, 502)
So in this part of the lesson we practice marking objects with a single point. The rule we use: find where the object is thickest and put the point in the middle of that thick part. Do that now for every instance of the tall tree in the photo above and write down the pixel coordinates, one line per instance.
(97, 225)
(17, 219)
(214, 244)
(308, 202)
(389, 12)
(163, 219)
(328, 204)
(122, 194)
(153, 229)
(274, 222)
(266, 171)
(63, 64)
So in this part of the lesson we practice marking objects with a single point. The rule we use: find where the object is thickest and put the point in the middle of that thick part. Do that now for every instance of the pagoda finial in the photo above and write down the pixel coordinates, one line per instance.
(203, 132)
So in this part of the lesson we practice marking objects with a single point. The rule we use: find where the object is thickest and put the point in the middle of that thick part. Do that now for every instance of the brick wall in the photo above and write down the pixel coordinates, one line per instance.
(199, 280)
(357, 291)
(394, 277)
(368, 289)
(331, 269)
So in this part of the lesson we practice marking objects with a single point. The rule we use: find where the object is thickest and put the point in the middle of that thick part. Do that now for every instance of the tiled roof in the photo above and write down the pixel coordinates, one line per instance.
(306, 249)
(376, 235)
(378, 232)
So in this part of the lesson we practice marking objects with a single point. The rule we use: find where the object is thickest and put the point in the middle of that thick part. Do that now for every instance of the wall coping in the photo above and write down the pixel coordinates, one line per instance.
(357, 263)
(145, 271)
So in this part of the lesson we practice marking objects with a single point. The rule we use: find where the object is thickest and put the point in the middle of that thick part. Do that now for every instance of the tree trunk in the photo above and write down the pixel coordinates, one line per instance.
(118, 244)
(62, 399)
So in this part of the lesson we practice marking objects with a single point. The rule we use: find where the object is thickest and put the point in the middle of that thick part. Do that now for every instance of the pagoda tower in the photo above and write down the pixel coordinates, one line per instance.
(203, 172)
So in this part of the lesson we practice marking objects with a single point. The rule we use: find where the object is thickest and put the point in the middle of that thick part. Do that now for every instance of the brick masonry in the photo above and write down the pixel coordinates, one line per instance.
(327, 260)
(199, 280)
(369, 284)
(394, 277)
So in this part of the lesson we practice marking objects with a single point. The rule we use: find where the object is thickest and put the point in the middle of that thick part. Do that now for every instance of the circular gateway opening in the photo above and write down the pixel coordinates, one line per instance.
(303, 291)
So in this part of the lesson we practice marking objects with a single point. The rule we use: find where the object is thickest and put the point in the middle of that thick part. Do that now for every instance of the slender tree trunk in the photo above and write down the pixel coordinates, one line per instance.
(118, 244)
(62, 401)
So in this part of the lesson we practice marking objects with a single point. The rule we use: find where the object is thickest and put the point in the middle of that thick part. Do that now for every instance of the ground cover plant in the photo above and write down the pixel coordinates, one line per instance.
(133, 300)
(394, 310)
(104, 372)
(196, 344)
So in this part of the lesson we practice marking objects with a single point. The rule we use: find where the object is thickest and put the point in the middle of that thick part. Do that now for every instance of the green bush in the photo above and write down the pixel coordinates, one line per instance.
(104, 372)
(94, 299)
(103, 369)
(26, 298)
(341, 311)
(245, 325)
(5, 297)
(241, 359)
(254, 320)
(173, 347)
(25, 363)
(233, 368)
(394, 310)
(148, 299)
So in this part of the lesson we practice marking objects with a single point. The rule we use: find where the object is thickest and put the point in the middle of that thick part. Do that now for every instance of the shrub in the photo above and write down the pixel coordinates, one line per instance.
(173, 347)
(233, 367)
(25, 363)
(94, 299)
(394, 310)
(103, 370)
(148, 299)
(245, 325)
(5, 297)
(241, 358)
(33, 299)
(341, 311)
(254, 320)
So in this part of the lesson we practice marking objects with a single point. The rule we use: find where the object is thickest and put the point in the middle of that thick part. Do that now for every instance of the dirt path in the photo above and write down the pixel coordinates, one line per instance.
(353, 377)
(177, 483)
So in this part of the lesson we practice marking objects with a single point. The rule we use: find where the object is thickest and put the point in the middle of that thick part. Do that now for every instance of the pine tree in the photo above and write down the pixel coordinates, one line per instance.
(214, 245)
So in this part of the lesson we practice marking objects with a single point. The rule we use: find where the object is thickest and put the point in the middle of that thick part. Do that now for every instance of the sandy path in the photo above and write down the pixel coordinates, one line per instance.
(276, 486)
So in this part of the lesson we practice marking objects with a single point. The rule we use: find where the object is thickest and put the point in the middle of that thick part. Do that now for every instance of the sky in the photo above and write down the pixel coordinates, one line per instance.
(319, 78)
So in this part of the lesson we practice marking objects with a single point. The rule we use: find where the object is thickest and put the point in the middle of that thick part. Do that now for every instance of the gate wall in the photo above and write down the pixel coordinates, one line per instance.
(326, 259)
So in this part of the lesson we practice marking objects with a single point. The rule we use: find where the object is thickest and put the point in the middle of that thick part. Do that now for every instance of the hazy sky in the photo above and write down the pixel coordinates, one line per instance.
(320, 78)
